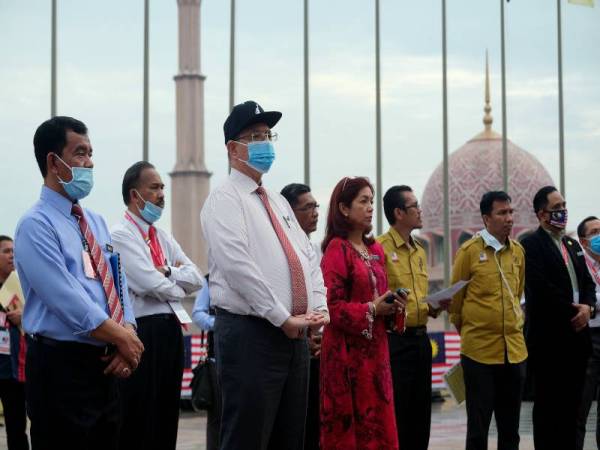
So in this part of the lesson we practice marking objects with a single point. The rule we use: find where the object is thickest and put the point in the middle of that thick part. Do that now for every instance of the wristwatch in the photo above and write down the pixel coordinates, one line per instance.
(168, 272)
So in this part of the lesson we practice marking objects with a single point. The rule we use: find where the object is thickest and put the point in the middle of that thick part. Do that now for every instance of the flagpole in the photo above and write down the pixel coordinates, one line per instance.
(504, 124)
(379, 187)
(306, 101)
(232, 56)
(447, 244)
(146, 76)
(53, 61)
(561, 123)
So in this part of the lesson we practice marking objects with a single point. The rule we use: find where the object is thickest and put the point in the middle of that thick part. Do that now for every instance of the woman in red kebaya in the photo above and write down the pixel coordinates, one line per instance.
(357, 406)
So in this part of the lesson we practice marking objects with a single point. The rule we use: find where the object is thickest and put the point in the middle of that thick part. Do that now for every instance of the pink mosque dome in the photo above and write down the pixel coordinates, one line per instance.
(474, 169)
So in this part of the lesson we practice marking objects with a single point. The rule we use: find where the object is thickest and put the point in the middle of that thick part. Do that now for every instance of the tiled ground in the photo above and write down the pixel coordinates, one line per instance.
(447, 430)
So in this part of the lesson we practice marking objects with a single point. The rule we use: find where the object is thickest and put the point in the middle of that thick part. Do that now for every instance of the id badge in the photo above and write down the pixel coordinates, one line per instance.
(88, 269)
(4, 342)
(2, 319)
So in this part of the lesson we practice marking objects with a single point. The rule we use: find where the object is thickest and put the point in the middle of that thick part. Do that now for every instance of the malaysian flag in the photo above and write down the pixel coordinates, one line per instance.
(195, 347)
(445, 348)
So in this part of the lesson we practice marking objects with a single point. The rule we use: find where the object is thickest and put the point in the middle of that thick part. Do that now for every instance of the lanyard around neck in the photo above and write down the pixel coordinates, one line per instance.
(157, 254)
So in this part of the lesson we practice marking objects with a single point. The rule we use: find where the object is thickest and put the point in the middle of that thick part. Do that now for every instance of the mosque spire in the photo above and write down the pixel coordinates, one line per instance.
(487, 118)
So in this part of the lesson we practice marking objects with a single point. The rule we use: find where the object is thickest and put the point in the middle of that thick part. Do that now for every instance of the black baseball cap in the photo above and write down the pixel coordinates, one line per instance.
(246, 114)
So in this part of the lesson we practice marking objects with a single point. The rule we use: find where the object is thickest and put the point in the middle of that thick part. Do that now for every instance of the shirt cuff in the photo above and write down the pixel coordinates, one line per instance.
(92, 320)
(277, 315)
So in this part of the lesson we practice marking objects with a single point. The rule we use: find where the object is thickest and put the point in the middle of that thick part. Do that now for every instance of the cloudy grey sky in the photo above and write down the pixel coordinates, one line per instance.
(100, 61)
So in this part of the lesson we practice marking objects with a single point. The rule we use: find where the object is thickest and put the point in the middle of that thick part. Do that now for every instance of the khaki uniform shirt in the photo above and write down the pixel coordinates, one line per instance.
(486, 310)
(406, 266)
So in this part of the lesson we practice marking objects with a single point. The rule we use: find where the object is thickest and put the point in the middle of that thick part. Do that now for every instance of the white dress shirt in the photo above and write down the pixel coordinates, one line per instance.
(149, 289)
(249, 272)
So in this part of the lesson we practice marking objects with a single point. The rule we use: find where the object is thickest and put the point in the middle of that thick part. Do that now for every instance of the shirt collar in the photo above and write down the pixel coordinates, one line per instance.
(399, 240)
(557, 237)
(243, 182)
(595, 264)
(58, 201)
(491, 241)
(145, 226)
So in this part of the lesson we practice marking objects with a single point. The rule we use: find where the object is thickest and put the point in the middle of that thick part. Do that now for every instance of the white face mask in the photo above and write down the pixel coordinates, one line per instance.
(490, 240)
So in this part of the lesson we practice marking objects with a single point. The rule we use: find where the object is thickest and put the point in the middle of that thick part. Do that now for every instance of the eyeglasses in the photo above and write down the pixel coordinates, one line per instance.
(415, 205)
(258, 137)
(308, 208)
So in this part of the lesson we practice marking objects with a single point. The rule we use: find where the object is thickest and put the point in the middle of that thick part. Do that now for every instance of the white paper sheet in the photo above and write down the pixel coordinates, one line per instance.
(445, 294)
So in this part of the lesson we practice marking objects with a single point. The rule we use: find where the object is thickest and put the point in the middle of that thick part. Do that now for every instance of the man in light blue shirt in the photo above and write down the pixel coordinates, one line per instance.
(75, 349)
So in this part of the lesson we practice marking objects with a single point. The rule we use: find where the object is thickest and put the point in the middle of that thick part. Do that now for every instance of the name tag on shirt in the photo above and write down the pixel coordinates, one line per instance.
(4, 342)
(180, 312)
(88, 269)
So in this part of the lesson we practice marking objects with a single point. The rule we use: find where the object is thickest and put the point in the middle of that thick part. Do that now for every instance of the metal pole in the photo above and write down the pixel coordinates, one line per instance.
(561, 122)
(447, 244)
(146, 93)
(378, 189)
(306, 100)
(504, 132)
(232, 56)
(53, 61)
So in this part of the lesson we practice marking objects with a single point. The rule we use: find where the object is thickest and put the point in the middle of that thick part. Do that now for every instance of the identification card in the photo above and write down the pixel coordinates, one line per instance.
(2, 319)
(180, 312)
(4, 342)
(88, 269)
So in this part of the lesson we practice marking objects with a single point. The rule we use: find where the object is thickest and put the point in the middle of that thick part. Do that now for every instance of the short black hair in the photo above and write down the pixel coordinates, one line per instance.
(540, 200)
(5, 238)
(131, 179)
(293, 191)
(51, 137)
(581, 226)
(394, 198)
(486, 205)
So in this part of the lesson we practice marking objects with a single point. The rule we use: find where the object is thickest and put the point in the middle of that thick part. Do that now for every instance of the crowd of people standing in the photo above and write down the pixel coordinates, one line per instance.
(316, 345)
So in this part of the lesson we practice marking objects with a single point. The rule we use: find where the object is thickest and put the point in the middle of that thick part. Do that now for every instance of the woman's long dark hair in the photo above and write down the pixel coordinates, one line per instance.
(338, 225)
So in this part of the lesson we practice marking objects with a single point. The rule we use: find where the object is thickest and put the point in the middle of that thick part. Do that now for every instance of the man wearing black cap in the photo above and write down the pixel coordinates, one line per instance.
(267, 289)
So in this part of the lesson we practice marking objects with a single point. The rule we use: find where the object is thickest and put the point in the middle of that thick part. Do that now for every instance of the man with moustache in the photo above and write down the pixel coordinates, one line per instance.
(306, 210)
(488, 316)
(588, 232)
(160, 276)
(410, 350)
(81, 332)
(560, 299)
(267, 289)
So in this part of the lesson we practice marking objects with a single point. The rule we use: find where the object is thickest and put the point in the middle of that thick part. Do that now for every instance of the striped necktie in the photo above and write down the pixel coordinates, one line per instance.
(101, 268)
(299, 296)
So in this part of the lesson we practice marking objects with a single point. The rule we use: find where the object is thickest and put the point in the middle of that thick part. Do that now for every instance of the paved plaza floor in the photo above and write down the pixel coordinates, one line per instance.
(447, 429)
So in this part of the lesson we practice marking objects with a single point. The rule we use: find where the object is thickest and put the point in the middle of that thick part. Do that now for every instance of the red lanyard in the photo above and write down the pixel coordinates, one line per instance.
(565, 255)
(158, 257)
(594, 272)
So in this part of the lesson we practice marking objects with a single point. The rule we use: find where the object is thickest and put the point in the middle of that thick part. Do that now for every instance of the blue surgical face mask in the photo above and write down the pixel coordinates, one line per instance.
(595, 245)
(81, 183)
(261, 155)
(151, 213)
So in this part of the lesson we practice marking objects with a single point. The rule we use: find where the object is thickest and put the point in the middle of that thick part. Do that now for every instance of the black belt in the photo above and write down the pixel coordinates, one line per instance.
(72, 346)
(414, 331)
(163, 316)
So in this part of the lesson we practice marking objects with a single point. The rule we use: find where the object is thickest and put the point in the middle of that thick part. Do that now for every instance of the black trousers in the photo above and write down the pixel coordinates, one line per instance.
(558, 379)
(213, 414)
(493, 388)
(71, 404)
(410, 358)
(264, 382)
(313, 411)
(590, 391)
(151, 396)
(12, 394)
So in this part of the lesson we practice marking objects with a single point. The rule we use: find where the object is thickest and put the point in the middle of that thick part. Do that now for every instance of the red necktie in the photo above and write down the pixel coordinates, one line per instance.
(299, 296)
(158, 257)
(100, 267)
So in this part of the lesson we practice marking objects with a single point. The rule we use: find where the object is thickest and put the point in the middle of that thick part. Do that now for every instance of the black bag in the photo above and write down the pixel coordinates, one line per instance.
(202, 385)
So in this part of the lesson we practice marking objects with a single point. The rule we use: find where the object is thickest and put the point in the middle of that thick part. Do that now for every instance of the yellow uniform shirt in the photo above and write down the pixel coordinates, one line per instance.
(489, 316)
(406, 266)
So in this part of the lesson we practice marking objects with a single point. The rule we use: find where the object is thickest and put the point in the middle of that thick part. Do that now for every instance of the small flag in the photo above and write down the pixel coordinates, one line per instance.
(589, 3)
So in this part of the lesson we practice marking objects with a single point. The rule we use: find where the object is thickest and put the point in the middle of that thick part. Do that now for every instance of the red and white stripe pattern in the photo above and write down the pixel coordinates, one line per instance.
(198, 352)
(102, 269)
(452, 356)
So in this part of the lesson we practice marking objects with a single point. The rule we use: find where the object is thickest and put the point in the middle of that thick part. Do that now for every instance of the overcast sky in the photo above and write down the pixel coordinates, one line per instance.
(100, 81)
